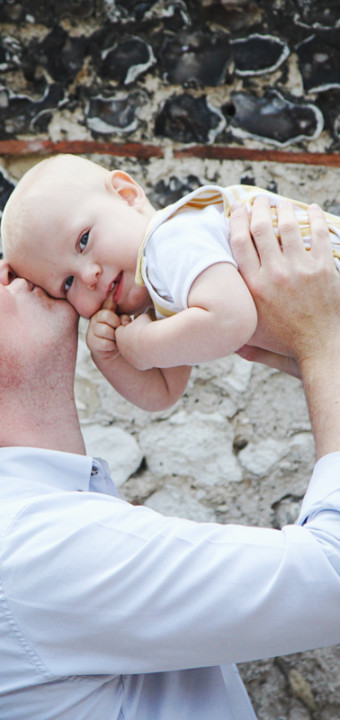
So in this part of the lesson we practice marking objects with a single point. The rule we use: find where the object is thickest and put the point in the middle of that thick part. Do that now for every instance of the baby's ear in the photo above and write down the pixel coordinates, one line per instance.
(127, 188)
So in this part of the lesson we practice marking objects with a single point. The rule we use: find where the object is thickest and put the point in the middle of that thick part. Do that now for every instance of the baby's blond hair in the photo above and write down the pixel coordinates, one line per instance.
(20, 216)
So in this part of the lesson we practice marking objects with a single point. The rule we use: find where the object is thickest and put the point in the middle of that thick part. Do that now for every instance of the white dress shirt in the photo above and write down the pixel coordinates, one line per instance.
(114, 612)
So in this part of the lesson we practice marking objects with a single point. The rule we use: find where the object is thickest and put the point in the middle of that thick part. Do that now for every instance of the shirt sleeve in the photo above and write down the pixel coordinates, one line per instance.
(99, 586)
(182, 247)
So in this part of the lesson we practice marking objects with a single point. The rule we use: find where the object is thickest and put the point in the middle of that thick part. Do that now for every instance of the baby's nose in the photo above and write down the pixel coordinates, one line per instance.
(91, 275)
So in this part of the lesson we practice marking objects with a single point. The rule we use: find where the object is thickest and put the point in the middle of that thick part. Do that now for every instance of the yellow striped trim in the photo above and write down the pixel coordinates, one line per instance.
(227, 196)
(201, 205)
(163, 311)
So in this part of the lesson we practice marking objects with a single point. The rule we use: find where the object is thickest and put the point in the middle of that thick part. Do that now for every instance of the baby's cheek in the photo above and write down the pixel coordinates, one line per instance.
(83, 307)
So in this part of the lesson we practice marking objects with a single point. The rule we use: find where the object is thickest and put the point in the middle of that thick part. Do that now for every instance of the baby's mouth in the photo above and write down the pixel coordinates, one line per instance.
(114, 286)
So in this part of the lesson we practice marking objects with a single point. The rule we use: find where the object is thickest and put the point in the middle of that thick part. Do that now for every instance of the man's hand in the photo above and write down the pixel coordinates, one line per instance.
(101, 332)
(297, 296)
(128, 341)
(297, 293)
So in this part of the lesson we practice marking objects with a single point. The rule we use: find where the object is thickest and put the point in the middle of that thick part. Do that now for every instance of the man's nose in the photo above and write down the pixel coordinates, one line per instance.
(6, 273)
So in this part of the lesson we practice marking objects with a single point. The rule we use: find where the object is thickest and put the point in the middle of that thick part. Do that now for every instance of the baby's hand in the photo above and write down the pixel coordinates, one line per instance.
(101, 332)
(128, 341)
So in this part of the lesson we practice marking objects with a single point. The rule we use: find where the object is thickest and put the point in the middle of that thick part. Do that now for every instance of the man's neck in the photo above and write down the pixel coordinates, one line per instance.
(49, 421)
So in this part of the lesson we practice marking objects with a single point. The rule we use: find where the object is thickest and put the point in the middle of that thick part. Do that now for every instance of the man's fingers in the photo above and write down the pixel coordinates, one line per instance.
(264, 236)
(289, 230)
(242, 246)
(321, 243)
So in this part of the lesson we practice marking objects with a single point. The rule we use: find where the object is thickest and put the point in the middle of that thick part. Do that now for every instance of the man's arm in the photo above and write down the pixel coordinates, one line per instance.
(297, 296)
(220, 318)
(261, 591)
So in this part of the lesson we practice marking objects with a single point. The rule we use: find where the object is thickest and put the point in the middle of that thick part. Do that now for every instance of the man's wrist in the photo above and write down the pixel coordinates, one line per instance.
(321, 381)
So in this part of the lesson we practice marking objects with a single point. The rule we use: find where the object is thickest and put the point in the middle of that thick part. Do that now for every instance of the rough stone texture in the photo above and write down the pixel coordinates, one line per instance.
(237, 447)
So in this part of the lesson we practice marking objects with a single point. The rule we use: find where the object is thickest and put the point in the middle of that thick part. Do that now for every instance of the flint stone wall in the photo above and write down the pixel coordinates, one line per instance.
(165, 79)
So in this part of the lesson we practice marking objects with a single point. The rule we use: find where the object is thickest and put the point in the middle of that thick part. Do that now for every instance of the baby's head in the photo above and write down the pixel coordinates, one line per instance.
(74, 228)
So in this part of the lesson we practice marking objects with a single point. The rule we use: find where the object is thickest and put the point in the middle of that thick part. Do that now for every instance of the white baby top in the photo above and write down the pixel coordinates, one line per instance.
(187, 237)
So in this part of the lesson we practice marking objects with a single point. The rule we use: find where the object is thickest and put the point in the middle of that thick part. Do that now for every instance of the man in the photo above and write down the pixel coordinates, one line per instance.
(115, 612)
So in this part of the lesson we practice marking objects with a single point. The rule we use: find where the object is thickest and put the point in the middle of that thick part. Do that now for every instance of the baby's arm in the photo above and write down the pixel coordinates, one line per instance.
(221, 317)
(153, 389)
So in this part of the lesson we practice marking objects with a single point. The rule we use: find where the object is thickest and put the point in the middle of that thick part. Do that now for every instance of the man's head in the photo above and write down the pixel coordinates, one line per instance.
(38, 349)
(38, 335)
(74, 228)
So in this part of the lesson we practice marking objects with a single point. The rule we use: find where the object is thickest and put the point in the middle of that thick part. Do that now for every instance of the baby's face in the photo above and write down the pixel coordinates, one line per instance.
(84, 246)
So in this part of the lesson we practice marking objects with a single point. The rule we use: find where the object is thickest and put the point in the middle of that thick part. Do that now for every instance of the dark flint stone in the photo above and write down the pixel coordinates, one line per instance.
(187, 119)
(286, 510)
(258, 54)
(45, 12)
(315, 13)
(60, 54)
(272, 118)
(19, 113)
(247, 179)
(195, 58)
(126, 60)
(179, 17)
(329, 104)
(169, 191)
(6, 187)
(336, 126)
(319, 63)
(12, 11)
(133, 8)
(232, 15)
(3, 55)
(109, 115)
(10, 53)
(272, 186)
(71, 8)
(332, 207)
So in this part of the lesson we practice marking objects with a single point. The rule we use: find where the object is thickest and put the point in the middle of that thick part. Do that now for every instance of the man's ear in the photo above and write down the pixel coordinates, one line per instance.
(127, 188)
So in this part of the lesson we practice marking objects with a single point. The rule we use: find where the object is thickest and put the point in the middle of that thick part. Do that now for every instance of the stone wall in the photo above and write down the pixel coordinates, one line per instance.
(181, 93)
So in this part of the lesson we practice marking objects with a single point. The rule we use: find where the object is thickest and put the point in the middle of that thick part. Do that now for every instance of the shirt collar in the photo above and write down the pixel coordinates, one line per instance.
(67, 471)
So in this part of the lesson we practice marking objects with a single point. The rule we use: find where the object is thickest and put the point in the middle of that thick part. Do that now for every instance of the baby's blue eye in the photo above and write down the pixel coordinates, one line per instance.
(83, 241)
(68, 282)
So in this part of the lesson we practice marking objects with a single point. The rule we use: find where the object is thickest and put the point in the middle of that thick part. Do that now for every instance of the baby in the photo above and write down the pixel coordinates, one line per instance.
(91, 236)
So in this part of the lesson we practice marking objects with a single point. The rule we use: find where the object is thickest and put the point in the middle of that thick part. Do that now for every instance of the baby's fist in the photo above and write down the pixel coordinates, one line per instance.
(101, 334)
(129, 342)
